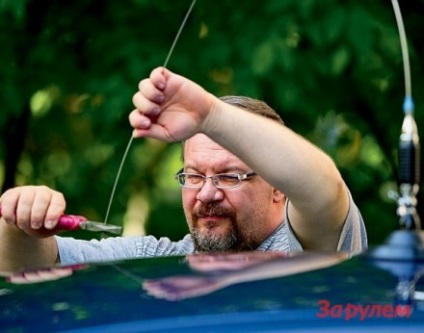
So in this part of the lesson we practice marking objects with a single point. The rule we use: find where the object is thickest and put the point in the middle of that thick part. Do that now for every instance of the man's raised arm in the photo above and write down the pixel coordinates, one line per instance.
(172, 108)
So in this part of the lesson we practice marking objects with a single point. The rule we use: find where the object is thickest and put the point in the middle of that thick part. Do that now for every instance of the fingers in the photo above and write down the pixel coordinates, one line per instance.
(32, 207)
(147, 102)
(56, 208)
(168, 107)
(148, 98)
(8, 202)
(41, 275)
(159, 76)
(150, 94)
(139, 121)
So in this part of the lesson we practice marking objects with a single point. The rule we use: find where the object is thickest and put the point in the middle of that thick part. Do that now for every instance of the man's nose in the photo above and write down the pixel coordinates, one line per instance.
(209, 192)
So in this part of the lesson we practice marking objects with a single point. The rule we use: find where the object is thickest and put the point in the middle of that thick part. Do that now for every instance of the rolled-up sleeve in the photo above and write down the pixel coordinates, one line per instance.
(75, 251)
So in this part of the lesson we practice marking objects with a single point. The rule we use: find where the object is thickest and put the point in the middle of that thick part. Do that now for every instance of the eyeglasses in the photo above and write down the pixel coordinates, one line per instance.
(220, 180)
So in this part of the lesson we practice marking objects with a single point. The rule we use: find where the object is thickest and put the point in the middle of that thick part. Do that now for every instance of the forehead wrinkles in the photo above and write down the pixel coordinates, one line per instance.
(200, 150)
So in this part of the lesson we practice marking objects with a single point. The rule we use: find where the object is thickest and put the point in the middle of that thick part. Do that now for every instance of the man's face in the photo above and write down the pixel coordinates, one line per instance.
(234, 219)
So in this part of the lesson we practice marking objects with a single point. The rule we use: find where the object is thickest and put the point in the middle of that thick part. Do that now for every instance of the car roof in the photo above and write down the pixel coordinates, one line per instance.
(243, 292)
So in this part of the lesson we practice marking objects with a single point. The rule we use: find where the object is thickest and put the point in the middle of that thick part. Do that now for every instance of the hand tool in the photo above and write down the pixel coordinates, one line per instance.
(75, 222)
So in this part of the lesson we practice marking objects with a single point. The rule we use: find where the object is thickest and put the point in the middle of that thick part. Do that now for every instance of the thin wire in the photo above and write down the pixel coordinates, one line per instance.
(127, 273)
(406, 66)
(171, 50)
(179, 33)
(117, 178)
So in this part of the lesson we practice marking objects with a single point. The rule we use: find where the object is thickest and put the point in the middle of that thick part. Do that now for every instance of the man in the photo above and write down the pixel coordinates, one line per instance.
(248, 183)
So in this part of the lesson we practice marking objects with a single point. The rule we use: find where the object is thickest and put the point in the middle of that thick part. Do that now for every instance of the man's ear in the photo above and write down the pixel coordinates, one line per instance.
(279, 196)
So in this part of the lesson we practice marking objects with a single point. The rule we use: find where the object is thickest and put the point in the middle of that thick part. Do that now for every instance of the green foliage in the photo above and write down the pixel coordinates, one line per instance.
(332, 68)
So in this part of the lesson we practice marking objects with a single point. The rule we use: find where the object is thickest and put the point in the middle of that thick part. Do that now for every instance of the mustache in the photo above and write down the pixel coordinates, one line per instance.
(213, 209)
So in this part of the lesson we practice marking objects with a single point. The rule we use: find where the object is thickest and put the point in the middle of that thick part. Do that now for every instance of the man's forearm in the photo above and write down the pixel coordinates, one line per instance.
(19, 251)
(285, 159)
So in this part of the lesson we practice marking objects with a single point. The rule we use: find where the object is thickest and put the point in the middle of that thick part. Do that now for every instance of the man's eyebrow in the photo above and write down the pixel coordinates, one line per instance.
(225, 169)
(188, 167)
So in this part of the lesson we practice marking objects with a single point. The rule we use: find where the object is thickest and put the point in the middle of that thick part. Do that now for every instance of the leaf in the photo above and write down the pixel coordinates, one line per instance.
(263, 58)
(340, 60)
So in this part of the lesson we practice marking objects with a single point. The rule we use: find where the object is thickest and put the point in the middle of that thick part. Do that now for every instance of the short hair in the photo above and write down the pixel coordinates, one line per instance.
(249, 104)
(253, 105)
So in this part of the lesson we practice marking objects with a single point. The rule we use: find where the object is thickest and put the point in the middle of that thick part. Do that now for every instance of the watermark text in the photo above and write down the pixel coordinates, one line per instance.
(350, 311)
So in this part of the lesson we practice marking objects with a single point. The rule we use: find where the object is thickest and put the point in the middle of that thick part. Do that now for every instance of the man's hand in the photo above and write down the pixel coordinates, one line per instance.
(34, 210)
(169, 107)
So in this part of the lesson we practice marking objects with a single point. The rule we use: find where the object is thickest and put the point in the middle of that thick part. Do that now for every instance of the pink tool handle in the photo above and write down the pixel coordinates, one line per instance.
(70, 222)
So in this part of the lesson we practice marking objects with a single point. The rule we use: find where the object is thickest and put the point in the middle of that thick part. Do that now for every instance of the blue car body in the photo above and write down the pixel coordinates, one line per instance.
(249, 292)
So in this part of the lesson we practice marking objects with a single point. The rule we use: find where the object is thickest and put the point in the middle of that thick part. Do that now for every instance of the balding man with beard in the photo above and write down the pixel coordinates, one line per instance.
(248, 183)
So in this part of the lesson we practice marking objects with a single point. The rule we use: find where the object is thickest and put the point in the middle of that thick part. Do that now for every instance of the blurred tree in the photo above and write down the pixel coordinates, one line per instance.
(332, 68)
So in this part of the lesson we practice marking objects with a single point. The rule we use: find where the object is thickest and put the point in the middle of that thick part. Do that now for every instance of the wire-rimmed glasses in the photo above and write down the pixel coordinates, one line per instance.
(220, 180)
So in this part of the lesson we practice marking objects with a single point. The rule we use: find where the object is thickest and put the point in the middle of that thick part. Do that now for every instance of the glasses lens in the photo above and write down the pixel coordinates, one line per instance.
(222, 180)
(190, 180)
(228, 180)
(181, 179)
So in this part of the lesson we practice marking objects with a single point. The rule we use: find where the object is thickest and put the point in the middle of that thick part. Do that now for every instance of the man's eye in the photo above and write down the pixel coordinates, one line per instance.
(194, 179)
(228, 178)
